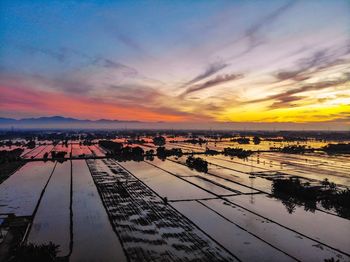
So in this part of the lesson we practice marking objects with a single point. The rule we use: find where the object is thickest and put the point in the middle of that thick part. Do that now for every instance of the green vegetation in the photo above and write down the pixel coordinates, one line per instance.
(238, 152)
(10, 155)
(241, 140)
(112, 147)
(163, 153)
(37, 253)
(332, 259)
(10, 161)
(149, 155)
(194, 141)
(211, 152)
(130, 153)
(256, 140)
(7, 169)
(327, 194)
(45, 156)
(341, 148)
(159, 141)
(294, 149)
(197, 163)
(121, 153)
(31, 144)
(87, 142)
(57, 154)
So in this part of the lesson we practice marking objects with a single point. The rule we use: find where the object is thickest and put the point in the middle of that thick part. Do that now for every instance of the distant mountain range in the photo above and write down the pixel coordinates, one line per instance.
(57, 120)
(60, 122)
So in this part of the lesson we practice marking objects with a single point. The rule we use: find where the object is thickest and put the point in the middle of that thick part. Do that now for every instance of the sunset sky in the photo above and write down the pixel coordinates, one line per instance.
(176, 61)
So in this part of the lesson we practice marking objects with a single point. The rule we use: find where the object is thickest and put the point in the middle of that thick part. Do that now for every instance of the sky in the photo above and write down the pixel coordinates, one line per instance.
(275, 61)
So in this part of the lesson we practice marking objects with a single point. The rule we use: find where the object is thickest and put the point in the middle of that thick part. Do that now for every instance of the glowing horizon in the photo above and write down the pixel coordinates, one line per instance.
(205, 61)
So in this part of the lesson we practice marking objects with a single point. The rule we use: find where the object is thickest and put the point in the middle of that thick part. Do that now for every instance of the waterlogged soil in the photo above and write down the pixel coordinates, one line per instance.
(52, 220)
(34, 152)
(296, 245)
(311, 167)
(97, 151)
(78, 150)
(20, 193)
(175, 168)
(315, 166)
(149, 229)
(240, 242)
(63, 148)
(329, 229)
(116, 211)
(93, 236)
(47, 150)
(211, 187)
(164, 183)
(236, 180)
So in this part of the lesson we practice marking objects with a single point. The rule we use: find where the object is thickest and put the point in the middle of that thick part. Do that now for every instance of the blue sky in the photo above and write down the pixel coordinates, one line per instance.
(178, 60)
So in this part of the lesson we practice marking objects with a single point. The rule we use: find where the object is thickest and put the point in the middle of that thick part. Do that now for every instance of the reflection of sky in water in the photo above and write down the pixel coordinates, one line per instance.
(21, 191)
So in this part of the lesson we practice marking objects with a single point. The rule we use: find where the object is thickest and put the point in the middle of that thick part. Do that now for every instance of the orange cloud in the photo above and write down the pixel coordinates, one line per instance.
(34, 102)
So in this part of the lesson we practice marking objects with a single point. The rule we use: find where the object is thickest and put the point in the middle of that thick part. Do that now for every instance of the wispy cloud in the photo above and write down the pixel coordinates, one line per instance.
(110, 64)
(125, 38)
(268, 19)
(66, 55)
(59, 55)
(253, 38)
(317, 61)
(286, 98)
(129, 41)
(252, 33)
(220, 79)
(209, 71)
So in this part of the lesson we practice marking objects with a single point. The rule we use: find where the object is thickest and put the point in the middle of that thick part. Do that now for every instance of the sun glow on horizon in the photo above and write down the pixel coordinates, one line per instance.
(177, 63)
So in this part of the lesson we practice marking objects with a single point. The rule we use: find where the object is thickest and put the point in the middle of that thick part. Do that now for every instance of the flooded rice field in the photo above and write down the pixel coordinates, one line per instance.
(20, 193)
(97, 151)
(52, 218)
(101, 209)
(314, 225)
(148, 228)
(89, 213)
(79, 150)
(164, 183)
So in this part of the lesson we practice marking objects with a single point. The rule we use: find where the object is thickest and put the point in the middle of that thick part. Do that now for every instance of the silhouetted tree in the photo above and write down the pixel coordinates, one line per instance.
(38, 253)
(197, 163)
(256, 140)
(46, 155)
(341, 148)
(159, 141)
(31, 144)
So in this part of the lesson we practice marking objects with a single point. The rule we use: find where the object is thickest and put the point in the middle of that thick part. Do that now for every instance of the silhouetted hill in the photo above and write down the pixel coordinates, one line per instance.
(57, 119)
(60, 122)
